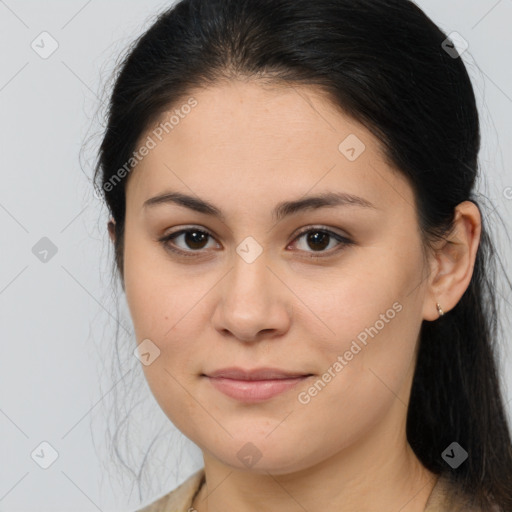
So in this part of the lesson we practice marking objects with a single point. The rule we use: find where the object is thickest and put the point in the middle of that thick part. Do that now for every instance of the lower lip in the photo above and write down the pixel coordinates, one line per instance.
(254, 390)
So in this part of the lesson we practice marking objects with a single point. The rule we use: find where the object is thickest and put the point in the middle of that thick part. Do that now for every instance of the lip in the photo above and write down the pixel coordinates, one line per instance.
(254, 385)
(263, 373)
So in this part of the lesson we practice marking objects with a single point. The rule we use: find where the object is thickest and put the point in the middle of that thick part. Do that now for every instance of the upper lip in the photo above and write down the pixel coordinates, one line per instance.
(255, 373)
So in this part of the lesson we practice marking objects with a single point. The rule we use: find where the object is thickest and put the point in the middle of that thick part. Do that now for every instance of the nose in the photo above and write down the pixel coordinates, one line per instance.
(252, 302)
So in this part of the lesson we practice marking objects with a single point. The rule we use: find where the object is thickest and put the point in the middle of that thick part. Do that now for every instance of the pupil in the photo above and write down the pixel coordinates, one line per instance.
(194, 244)
(318, 239)
(315, 237)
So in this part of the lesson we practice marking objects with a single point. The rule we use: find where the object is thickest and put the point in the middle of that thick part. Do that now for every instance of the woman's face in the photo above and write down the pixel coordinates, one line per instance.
(256, 292)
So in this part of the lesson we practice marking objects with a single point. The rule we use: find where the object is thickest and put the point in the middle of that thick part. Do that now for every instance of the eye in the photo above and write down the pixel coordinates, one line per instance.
(193, 238)
(318, 238)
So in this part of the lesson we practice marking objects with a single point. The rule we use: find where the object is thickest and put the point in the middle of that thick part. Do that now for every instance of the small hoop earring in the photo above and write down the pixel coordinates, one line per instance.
(439, 310)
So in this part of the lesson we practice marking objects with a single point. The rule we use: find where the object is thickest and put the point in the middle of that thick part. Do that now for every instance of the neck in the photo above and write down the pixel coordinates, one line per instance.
(381, 472)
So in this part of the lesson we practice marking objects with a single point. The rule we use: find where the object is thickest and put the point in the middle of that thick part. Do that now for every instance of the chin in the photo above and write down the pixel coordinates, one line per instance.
(261, 454)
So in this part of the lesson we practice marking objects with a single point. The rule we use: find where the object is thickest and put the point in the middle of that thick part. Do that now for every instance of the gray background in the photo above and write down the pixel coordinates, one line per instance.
(58, 318)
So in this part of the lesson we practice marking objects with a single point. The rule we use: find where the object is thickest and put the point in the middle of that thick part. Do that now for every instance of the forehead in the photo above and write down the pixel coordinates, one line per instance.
(246, 136)
(251, 114)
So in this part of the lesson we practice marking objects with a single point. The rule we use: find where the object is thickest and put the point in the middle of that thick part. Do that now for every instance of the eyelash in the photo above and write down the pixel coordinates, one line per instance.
(343, 241)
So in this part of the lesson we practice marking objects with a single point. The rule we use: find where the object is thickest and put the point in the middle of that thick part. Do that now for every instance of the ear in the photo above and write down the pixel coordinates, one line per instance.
(453, 261)
(111, 229)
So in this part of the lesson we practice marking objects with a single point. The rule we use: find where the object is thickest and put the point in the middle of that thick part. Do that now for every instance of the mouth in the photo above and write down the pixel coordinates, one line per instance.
(254, 385)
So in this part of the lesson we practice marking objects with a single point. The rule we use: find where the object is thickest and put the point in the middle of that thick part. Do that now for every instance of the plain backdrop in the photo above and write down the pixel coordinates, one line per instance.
(58, 316)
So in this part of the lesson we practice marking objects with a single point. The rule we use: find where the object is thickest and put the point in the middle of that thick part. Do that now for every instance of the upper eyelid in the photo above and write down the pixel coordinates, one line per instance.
(300, 232)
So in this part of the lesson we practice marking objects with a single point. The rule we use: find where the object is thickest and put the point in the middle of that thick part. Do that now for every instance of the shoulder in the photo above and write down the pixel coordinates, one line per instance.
(180, 499)
(448, 496)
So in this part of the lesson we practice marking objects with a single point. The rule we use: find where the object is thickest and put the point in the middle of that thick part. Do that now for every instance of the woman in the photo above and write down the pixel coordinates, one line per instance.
(291, 185)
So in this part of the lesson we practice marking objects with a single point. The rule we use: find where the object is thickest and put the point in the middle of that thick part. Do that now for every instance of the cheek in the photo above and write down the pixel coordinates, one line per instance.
(164, 308)
(362, 372)
(139, 283)
(369, 323)
(345, 304)
(154, 295)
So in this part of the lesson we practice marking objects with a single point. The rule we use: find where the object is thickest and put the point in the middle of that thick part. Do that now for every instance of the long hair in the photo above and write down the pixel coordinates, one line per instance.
(387, 65)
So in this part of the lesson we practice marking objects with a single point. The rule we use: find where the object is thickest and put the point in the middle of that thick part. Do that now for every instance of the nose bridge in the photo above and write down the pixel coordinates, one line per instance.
(250, 277)
(251, 300)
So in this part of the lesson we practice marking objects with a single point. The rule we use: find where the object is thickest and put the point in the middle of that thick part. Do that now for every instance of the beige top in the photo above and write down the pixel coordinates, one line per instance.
(445, 497)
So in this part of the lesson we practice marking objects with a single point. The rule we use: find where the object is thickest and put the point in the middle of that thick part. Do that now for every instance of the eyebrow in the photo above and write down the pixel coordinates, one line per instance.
(284, 209)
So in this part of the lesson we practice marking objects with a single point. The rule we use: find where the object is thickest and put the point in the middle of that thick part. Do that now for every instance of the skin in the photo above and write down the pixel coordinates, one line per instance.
(246, 147)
